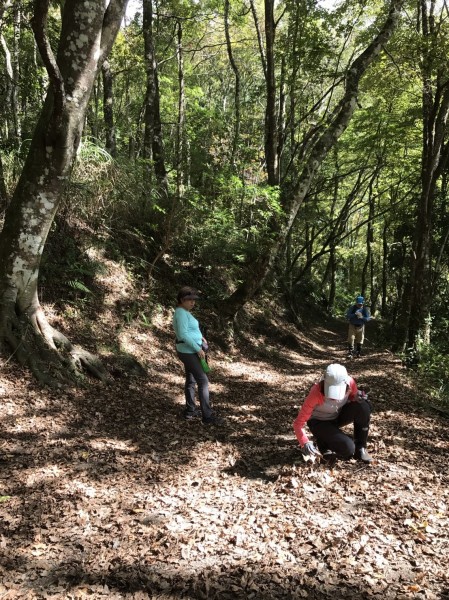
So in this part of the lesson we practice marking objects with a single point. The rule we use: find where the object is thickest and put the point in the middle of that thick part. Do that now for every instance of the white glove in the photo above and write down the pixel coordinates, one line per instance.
(358, 314)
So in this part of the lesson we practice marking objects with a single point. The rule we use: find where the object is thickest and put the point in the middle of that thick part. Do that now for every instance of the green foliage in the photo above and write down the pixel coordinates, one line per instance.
(64, 261)
(127, 66)
(218, 213)
(12, 164)
(78, 285)
(223, 231)
(113, 194)
(433, 369)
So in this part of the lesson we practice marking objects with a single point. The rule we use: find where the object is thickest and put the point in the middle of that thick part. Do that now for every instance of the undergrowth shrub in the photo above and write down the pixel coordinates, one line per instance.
(107, 191)
(228, 226)
(117, 197)
(433, 368)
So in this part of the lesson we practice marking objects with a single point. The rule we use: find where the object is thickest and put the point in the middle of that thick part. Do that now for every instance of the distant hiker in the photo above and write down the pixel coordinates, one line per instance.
(190, 348)
(357, 315)
(332, 402)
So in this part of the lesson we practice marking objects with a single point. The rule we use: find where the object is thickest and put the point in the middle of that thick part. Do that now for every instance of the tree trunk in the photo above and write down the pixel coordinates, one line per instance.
(181, 116)
(9, 85)
(434, 160)
(271, 133)
(333, 283)
(3, 191)
(15, 105)
(267, 58)
(342, 114)
(88, 31)
(108, 109)
(7, 125)
(384, 276)
(367, 274)
(236, 136)
(153, 141)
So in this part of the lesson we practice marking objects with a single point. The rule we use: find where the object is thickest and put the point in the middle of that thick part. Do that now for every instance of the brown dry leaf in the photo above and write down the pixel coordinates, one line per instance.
(111, 487)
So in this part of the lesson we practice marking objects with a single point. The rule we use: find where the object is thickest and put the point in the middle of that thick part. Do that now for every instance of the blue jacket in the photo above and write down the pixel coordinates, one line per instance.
(354, 319)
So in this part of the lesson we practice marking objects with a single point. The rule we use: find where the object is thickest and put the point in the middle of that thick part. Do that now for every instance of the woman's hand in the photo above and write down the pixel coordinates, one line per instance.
(201, 354)
(309, 449)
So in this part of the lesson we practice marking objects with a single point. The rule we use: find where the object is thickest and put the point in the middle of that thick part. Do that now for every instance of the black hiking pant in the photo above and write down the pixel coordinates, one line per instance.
(329, 436)
(195, 376)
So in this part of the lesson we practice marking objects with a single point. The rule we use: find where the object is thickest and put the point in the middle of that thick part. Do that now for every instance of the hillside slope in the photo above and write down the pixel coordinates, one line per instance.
(107, 493)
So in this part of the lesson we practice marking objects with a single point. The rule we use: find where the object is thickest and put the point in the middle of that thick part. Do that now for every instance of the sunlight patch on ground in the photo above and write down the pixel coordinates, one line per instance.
(115, 444)
(36, 477)
(253, 370)
(124, 486)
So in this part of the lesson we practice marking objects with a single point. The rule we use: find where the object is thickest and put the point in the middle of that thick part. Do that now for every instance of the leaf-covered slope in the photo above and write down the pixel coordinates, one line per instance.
(108, 493)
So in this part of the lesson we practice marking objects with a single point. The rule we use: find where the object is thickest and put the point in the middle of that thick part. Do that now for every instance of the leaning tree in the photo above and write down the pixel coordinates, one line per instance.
(313, 152)
(87, 33)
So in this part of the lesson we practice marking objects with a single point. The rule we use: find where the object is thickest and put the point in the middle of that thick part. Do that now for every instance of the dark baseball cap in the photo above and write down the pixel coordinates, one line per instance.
(188, 293)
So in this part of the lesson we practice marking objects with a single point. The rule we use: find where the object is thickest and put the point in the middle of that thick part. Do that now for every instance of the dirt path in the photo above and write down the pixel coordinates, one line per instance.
(107, 493)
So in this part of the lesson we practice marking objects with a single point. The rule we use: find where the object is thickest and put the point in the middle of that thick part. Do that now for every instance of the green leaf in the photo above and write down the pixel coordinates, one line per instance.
(77, 285)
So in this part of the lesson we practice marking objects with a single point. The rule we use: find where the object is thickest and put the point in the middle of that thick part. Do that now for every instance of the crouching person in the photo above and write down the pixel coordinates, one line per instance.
(332, 402)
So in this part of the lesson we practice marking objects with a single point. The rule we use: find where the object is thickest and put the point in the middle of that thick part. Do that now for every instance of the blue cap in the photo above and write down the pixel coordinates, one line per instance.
(360, 299)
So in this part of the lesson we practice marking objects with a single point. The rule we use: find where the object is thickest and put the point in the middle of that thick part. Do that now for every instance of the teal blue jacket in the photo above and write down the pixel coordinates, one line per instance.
(187, 330)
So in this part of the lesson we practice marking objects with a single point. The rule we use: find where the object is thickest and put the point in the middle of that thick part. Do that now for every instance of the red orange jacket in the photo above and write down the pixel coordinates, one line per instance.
(314, 398)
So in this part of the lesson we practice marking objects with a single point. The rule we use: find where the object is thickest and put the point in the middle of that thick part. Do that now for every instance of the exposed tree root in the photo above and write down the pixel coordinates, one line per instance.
(48, 353)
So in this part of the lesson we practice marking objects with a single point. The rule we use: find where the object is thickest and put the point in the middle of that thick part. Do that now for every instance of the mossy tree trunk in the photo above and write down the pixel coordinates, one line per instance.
(88, 30)
(3, 192)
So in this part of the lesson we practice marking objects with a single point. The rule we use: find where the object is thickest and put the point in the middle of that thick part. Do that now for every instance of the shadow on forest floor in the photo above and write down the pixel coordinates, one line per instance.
(107, 492)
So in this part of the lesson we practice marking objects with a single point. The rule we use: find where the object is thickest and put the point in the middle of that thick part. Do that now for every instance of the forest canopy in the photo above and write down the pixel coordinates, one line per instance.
(295, 147)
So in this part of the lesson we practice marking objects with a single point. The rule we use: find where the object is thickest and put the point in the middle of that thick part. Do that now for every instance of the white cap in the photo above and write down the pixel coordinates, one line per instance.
(336, 379)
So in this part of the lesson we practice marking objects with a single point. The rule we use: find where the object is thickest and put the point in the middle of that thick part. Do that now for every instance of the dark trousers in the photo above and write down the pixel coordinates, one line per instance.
(329, 436)
(195, 375)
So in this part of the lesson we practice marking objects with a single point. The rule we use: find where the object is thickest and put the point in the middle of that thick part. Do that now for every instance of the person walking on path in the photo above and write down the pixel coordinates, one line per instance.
(191, 347)
(357, 315)
(332, 402)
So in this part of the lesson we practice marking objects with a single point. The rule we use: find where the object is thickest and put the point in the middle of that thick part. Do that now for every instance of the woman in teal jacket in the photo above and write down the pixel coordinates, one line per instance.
(190, 346)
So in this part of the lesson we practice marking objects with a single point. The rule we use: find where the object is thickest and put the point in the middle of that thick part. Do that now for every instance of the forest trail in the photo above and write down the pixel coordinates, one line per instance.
(107, 493)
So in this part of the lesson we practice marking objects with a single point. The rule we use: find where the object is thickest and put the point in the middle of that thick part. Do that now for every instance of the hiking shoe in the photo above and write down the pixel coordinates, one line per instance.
(362, 454)
(213, 420)
(188, 416)
(329, 458)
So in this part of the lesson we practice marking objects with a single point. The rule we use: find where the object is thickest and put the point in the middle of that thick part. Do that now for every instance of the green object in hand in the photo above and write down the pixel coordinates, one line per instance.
(205, 366)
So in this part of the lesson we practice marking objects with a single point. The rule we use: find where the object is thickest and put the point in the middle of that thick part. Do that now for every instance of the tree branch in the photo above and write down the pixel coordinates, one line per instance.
(39, 26)
(343, 111)
(111, 22)
(259, 38)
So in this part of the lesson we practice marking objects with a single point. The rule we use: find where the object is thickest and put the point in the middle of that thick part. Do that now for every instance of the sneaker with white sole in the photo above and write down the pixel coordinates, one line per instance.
(188, 415)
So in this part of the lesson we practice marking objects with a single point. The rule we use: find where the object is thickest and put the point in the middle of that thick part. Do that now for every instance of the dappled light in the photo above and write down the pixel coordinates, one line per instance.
(279, 170)
(107, 492)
